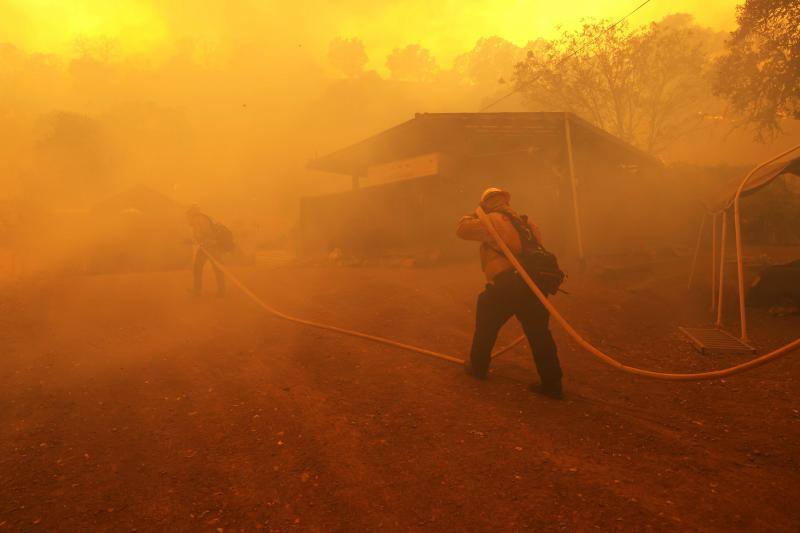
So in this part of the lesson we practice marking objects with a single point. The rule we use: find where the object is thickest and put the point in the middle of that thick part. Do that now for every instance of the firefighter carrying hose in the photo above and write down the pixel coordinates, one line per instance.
(213, 238)
(506, 293)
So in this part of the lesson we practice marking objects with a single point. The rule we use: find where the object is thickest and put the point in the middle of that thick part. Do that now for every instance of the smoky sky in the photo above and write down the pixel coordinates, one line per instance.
(154, 28)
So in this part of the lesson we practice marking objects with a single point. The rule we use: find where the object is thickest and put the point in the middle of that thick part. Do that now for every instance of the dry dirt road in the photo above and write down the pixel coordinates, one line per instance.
(126, 405)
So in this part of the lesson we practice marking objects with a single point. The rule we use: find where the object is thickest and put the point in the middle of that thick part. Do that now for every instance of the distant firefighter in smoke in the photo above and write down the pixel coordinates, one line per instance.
(211, 238)
(506, 293)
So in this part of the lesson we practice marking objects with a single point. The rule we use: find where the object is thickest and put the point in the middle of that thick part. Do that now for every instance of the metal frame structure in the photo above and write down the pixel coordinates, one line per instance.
(718, 273)
(738, 228)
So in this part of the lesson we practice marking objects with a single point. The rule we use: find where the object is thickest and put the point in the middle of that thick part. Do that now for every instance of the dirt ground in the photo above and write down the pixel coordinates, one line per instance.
(126, 405)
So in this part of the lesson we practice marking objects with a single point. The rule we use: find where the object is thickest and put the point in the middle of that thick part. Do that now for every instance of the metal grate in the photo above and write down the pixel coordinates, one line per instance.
(714, 341)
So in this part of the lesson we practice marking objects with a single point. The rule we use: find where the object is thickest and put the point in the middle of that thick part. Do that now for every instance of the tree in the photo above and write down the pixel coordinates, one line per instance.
(489, 62)
(348, 55)
(760, 74)
(412, 63)
(646, 85)
(74, 159)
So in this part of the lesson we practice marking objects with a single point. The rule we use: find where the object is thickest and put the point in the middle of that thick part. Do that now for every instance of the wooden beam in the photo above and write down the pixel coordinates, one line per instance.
(574, 184)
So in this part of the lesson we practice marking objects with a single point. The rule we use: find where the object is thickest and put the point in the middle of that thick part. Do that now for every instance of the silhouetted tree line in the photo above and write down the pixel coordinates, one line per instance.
(649, 85)
(760, 73)
(77, 129)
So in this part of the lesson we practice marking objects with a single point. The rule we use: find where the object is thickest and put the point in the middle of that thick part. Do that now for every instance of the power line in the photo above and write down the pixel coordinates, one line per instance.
(611, 27)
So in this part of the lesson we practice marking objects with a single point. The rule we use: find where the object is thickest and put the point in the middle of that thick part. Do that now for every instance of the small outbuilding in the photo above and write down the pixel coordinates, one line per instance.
(589, 191)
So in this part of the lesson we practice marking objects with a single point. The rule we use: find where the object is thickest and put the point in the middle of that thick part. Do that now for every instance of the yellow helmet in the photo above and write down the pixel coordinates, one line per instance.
(492, 191)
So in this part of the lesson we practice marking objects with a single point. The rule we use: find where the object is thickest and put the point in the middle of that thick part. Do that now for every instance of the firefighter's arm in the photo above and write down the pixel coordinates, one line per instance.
(471, 228)
(204, 233)
(200, 237)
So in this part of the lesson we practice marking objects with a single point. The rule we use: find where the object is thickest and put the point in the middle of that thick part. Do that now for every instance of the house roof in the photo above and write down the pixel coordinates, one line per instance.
(138, 198)
(475, 134)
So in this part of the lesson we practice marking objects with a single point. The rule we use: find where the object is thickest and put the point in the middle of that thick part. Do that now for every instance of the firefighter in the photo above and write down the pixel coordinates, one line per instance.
(208, 240)
(506, 294)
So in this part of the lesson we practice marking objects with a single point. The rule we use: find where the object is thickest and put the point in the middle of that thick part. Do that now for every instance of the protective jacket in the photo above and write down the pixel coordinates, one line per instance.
(493, 261)
(204, 233)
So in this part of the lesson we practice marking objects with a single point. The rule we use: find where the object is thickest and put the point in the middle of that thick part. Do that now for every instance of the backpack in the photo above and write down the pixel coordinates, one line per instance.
(541, 265)
(223, 237)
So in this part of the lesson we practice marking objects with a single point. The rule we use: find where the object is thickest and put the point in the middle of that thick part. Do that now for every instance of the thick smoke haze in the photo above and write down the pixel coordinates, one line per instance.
(225, 105)
(252, 279)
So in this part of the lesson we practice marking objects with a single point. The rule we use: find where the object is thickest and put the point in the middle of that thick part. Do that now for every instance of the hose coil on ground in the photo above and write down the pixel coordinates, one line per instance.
(758, 361)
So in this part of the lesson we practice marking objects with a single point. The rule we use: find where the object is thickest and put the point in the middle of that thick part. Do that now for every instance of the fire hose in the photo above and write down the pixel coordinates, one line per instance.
(697, 376)
(268, 308)
(714, 374)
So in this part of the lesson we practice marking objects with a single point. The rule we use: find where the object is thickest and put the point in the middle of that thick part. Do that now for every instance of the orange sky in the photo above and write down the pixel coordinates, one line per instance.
(152, 28)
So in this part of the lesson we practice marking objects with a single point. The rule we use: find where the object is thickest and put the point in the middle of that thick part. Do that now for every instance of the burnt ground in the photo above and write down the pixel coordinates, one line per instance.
(127, 405)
